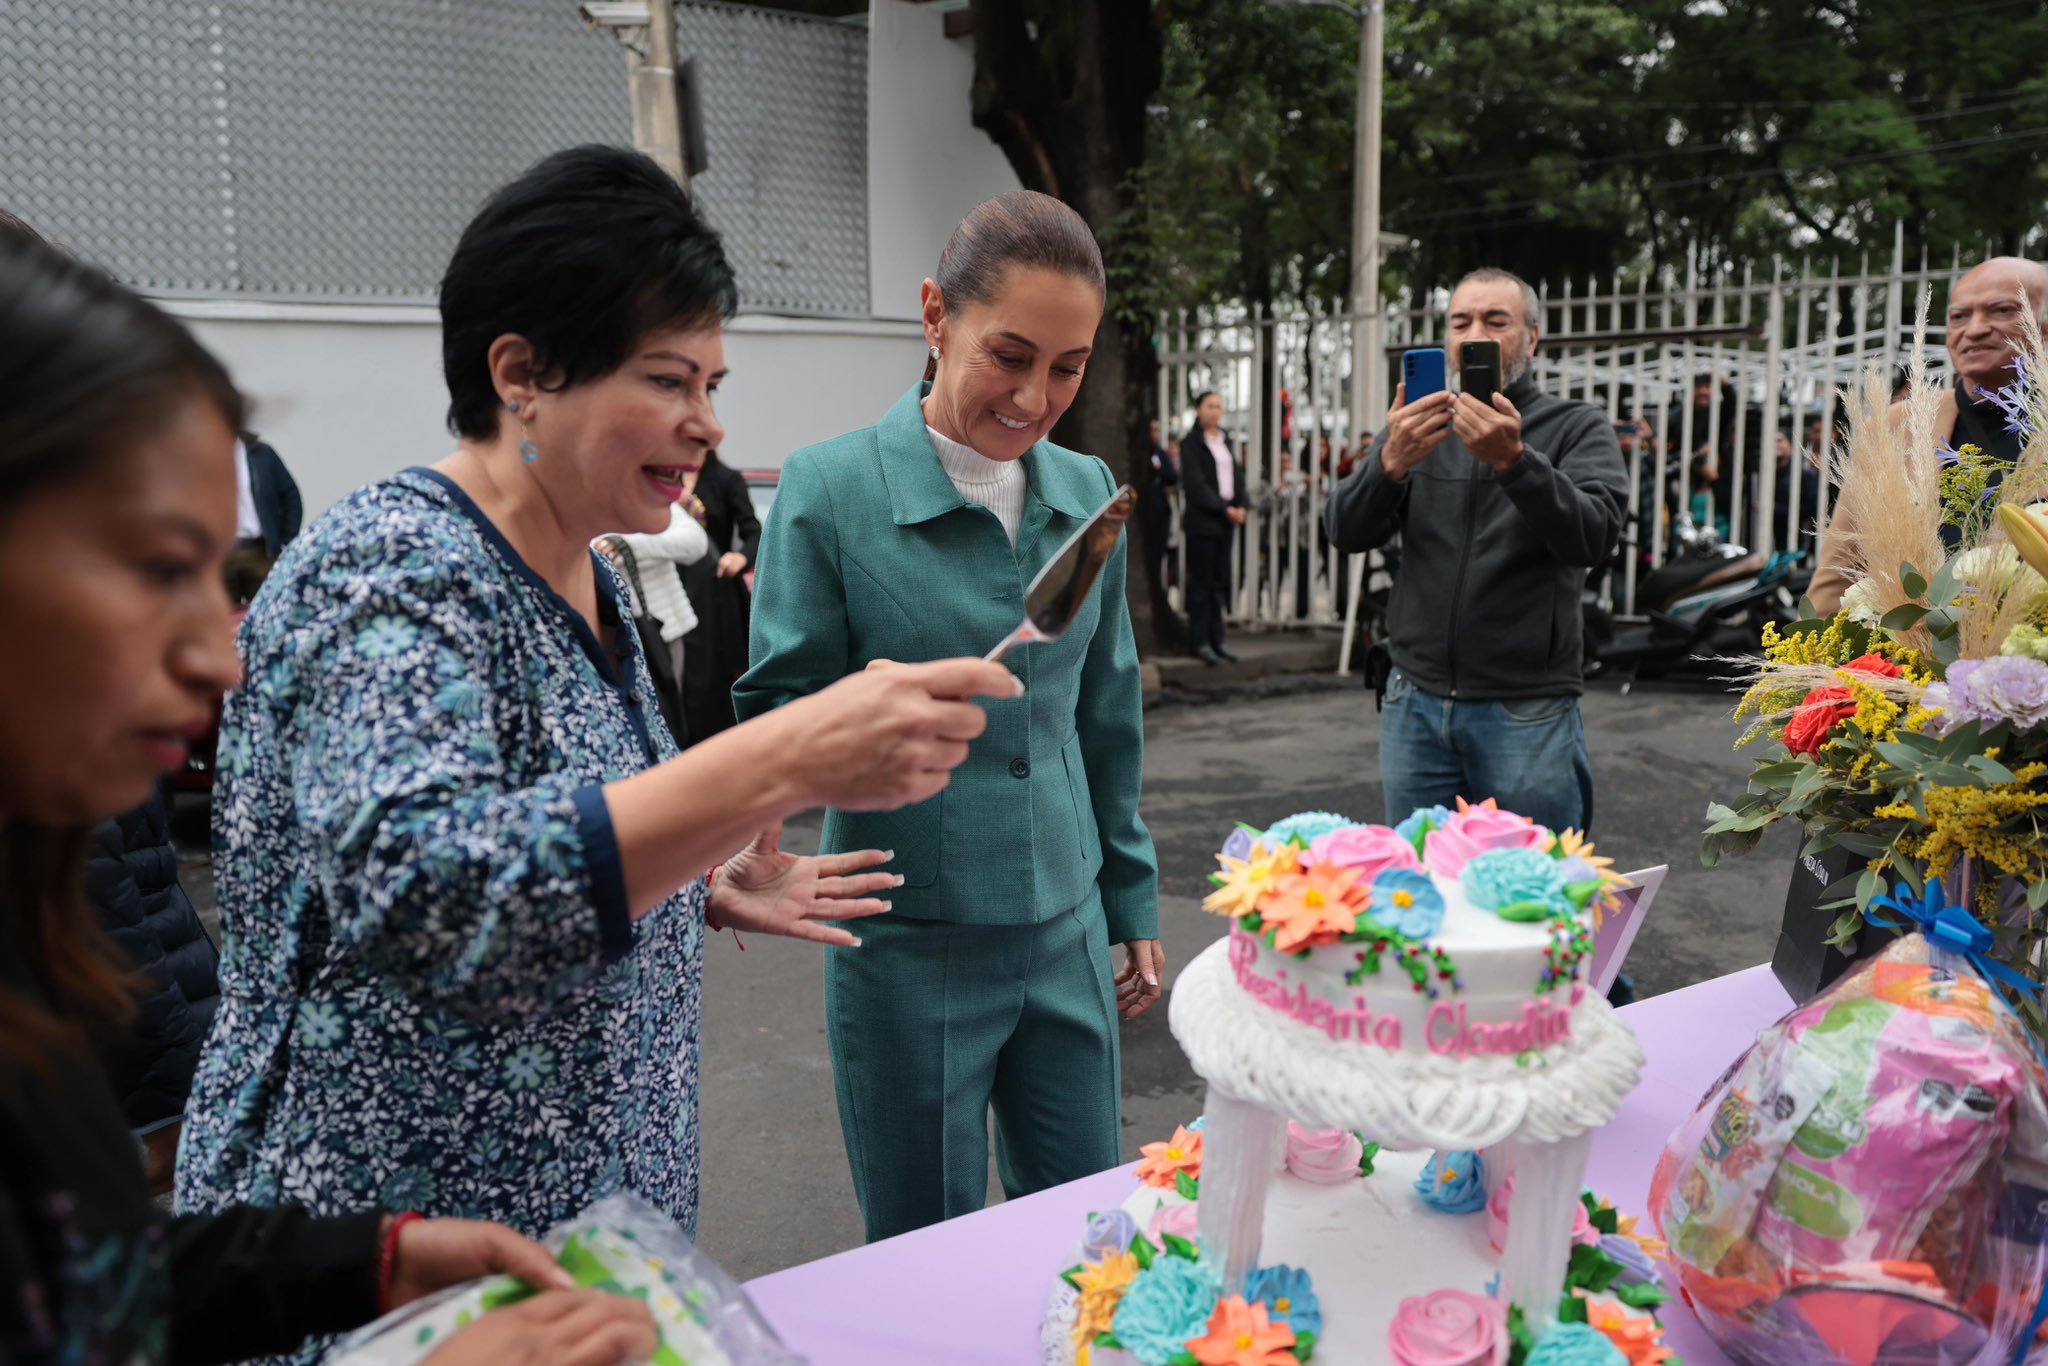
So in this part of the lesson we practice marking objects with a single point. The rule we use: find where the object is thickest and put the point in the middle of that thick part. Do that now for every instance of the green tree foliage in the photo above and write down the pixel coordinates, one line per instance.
(1573, 137)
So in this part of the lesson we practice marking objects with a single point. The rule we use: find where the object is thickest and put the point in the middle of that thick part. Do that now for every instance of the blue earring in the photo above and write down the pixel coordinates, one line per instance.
(527, 450)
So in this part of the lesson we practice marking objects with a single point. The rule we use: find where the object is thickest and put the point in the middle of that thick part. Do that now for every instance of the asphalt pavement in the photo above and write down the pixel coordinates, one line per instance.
(775, 1187)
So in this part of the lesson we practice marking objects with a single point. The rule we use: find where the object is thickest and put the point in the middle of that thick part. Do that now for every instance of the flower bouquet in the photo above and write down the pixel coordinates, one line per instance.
(1909, 731)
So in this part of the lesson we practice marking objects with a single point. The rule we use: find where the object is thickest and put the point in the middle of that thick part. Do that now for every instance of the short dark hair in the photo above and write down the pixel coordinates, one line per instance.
(1021, 228)
(583, 255)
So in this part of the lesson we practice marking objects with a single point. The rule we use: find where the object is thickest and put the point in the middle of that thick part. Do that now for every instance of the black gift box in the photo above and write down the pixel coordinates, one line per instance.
(1805, 963)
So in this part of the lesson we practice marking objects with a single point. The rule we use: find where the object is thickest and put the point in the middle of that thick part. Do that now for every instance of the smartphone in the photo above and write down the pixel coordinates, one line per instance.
(1422, 372)
(1479, 369)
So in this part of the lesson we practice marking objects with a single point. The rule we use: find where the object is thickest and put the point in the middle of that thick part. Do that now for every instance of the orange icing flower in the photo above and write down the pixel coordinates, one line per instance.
(1636, 1336)
(1245, 880)
(1163, 1161)
(1240, 1334)
(1102, 1285)
(1315, 906)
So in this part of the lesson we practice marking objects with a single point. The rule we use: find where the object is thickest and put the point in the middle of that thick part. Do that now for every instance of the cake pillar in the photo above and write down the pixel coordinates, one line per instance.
(1541, 1213)
(1241, 1145)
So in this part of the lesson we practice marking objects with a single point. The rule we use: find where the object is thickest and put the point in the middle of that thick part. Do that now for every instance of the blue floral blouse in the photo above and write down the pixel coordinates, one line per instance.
(432, 995)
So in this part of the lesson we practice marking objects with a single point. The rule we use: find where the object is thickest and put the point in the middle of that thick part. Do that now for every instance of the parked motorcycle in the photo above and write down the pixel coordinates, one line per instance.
(1709, 600)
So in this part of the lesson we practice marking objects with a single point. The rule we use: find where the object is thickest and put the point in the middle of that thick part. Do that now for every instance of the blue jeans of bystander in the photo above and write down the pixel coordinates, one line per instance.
(1529, 753)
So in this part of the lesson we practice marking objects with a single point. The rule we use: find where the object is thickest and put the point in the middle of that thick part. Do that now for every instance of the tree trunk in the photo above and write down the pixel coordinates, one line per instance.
(1063, 87)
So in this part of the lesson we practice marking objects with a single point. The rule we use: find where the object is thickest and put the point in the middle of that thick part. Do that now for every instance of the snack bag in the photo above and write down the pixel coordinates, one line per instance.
(1869, 1182)
(621, 1245)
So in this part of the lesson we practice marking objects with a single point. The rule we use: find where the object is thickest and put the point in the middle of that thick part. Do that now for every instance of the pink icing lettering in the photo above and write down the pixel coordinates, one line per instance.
(1448, 1031)
(1357, 1022)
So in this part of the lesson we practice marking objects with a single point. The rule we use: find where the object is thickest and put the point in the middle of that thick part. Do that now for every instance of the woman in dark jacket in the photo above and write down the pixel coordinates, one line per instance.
(131, 881)
(715, 654)
(117, 463)
(1212, 487)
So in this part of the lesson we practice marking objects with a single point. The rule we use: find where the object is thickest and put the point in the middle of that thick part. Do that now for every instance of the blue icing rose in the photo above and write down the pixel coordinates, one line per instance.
(1407, 902)
(1239, 845)
(1637, 1266)
(1289, 1296)
(1504, 877)
(1166, 1307)
(1411, 828)
(1306, 826)
(1109, 1232)
(1454, 1182)
(1575, 1344)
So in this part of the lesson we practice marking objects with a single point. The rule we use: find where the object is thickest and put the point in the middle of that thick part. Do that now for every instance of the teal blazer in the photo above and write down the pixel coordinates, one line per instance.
(871, 553)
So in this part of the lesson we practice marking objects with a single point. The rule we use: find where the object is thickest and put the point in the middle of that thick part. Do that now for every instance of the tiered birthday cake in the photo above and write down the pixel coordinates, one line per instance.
(1417, 987)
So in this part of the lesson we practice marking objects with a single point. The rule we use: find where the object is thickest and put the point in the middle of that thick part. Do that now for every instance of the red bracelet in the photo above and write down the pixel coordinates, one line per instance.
(710, 881)
(387, 1261)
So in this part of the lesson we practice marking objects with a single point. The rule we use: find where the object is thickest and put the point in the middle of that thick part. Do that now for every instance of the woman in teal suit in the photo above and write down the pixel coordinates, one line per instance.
(991, 984)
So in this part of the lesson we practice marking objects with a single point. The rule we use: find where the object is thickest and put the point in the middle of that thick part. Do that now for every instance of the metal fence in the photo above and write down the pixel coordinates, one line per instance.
(1779, 343)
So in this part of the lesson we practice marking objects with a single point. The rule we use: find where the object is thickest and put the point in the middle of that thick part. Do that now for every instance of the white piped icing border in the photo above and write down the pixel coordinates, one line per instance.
(1414, 1098)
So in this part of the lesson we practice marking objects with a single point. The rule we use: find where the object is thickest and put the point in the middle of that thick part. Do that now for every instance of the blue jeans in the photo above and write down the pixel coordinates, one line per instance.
(1529, 753)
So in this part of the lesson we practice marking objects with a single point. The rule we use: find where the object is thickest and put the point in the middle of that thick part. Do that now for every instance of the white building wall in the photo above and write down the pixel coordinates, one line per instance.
(351, 394)
(927, 162)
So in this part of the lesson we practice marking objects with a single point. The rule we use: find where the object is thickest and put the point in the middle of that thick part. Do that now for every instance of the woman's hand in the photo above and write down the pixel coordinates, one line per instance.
(731, 565)
(890, 736)
(433, 1254)
(558, 1328)
(1137, 986)
(767, 891)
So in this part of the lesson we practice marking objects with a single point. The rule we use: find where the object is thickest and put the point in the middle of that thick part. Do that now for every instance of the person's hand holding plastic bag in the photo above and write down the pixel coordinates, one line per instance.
(645, 1294)
(1869, 1182)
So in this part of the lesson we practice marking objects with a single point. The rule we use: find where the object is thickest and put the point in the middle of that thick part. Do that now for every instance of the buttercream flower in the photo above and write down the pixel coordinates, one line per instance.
(1109, 1231)
(1509, 882)
(1434, 817)
(1637, 1335)
(1305, 826)
(1447, 1328)
(1164, 1161)
(1473, 830)
(1577, 862)
(1289, 1296)
(1182, 1220)
(1313, 907)
(1244, 880)
(1453, 1182)
(1103, 1285)
(1370, 849)
(1574, 1344)
(1240, 843)
(1241, 1334)
(1326, 1157)
(1166, 1308)
(1638, 1267)
(1407, 903)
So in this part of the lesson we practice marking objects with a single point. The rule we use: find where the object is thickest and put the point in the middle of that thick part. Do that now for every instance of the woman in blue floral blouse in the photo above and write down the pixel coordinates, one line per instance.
(450, 828)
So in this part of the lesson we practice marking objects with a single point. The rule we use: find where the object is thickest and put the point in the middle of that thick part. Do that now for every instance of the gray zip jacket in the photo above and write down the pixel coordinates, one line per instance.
(1486, 602)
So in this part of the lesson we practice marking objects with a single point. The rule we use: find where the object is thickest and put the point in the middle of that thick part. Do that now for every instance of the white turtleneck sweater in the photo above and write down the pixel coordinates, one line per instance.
(998, 485)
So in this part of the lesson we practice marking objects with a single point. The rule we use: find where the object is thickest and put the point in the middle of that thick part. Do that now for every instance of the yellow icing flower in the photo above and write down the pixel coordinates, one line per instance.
(1573, 844)
(1163, 1161)
(1102, 1285)
(1314, 907)
(1246, 879)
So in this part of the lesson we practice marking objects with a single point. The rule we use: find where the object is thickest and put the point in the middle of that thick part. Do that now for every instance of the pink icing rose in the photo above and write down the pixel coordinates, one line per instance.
(1372, 849)
(1326, 1157)
(1583, 1232)
(1448, 1328)
(1474, 830)
(1179, 1220)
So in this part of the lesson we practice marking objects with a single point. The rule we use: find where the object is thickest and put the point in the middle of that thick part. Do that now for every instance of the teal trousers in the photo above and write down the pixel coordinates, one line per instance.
(934, 1024)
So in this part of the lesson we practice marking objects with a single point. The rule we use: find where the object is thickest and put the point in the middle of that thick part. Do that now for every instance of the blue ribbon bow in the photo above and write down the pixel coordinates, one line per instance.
(1953, 928)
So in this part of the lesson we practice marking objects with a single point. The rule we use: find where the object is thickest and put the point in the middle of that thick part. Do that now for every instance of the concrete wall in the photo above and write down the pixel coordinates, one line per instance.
(927, 162)
(351, 394)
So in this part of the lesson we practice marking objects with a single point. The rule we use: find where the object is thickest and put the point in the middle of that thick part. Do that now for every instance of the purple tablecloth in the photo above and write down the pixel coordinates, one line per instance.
(970, 1292)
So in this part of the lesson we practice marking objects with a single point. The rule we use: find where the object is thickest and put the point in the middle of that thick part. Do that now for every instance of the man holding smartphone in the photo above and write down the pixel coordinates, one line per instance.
(1503, 497)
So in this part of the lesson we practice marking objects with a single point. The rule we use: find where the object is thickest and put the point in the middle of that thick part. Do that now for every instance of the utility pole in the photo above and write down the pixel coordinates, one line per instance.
(647, 30)
(1368, 374)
